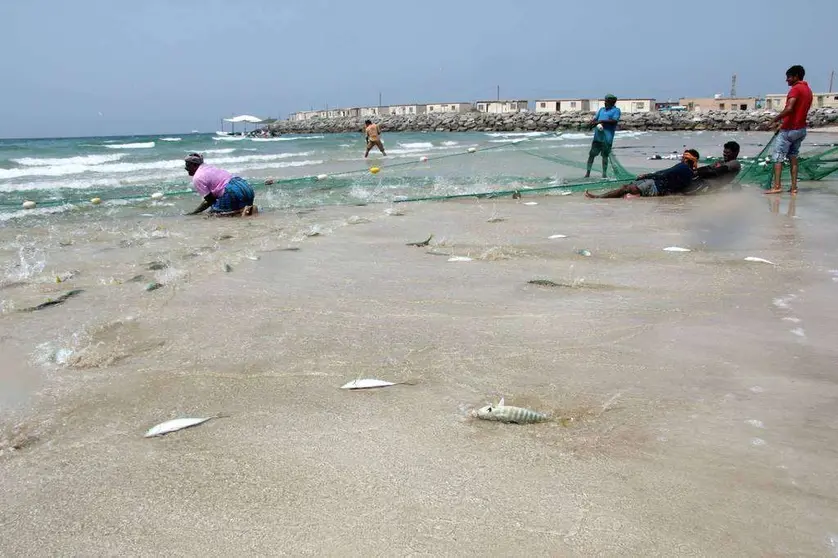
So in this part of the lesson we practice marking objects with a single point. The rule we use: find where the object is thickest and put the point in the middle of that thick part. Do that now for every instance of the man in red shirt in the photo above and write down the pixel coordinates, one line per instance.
(793, 127)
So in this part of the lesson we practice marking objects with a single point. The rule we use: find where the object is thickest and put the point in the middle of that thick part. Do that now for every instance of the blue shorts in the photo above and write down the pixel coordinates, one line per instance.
(788, 144)
(647, 186)
(237, 195)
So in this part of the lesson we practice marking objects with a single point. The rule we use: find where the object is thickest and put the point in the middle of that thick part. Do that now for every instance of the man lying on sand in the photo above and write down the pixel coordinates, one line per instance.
(226, 194)
(674, 180)
(719, 174)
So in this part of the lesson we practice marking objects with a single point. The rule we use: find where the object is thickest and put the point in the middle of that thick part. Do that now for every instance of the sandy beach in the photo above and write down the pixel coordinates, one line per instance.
(693, 393)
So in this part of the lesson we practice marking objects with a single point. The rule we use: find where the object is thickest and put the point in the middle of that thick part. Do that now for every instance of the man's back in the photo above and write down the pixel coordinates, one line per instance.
(802, 94)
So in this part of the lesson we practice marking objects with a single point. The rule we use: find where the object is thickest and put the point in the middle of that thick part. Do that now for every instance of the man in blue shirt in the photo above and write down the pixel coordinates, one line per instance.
(604, 125)
(674, 180)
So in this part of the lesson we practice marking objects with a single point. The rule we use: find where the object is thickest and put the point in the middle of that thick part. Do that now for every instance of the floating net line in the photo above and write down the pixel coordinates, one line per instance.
(814, 166)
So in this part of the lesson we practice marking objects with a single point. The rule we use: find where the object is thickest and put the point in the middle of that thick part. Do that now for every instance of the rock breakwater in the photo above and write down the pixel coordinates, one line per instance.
(756, 120)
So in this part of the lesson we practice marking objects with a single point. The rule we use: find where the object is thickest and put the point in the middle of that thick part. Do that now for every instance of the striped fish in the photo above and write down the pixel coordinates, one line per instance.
(509, 414)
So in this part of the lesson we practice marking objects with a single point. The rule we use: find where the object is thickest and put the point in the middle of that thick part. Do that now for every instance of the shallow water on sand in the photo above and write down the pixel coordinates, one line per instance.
(700, 386)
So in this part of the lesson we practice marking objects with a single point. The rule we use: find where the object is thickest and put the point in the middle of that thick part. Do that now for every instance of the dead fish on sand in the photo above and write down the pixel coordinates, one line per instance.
(59, 300)
(157, 266)
(509, 414)
(153, 286)
(543, 283)
(676, 249)
(421, 243)
(175, 424)
(370, 383)
(459, 259)
(760, 260)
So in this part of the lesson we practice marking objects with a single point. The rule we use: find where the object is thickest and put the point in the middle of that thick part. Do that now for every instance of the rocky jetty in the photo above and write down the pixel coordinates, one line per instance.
(548, 122)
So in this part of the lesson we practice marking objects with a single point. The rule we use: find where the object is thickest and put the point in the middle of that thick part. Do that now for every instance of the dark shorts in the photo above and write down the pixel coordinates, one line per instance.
(237, 195)
(600, 147)
(648, 187)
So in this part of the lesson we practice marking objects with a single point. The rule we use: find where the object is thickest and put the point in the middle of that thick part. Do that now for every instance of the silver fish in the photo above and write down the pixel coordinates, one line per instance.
(174, 425)
(509, 414)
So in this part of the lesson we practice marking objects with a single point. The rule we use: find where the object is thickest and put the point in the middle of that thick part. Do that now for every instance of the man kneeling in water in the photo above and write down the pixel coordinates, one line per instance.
(674, 180)
(226, 194)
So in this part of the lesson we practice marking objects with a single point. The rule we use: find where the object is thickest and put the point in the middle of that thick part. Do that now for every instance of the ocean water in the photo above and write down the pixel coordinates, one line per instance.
(62, 175)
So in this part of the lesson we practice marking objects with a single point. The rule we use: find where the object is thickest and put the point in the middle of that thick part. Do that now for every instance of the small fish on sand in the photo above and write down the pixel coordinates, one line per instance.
(555, 236)
(543, 283)
(253, 258)
(370, 383)
(153, 286)
(421, 243)
(509, 414)
(290, 249)
(586, 253)
(676, 249)
(530, 203)
(496, 220)
(174, 425)
(759, 260)
(157, 266)
(61, 299)
(459, 259)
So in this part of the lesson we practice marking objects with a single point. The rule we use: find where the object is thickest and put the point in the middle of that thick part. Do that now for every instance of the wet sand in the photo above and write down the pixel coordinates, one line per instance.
(701, 387)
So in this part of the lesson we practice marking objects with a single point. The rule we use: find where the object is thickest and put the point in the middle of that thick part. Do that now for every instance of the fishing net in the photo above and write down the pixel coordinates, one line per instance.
(814, 165)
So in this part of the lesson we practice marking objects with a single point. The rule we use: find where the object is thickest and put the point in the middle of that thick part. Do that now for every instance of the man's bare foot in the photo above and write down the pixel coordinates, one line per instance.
(590, 195)
(250, 210)
(793, 191)
(774, 191)
(629, 196)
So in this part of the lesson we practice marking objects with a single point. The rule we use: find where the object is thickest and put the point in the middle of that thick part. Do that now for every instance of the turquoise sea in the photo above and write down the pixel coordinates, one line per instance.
(63, 175)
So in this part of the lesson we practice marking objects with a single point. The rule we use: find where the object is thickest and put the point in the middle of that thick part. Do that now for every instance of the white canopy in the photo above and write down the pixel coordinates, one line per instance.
(244, 118)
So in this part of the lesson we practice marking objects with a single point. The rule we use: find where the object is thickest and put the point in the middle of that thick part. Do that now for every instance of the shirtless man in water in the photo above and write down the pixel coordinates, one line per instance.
(373, 138)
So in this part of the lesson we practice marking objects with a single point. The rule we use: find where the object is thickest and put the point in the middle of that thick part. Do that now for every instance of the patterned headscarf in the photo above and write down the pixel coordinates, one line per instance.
(195, 159)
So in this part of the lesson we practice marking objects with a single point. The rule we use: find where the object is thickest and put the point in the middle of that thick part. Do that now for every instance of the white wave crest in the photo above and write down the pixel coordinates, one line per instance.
(120, 168)
(515, 134)
(171, 139)
(218, 151)
(289, 138)
(417, 145)
(142, 145)
(64, 161)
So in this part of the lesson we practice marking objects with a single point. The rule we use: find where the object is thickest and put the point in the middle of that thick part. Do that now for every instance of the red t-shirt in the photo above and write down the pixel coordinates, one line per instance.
(797, 119)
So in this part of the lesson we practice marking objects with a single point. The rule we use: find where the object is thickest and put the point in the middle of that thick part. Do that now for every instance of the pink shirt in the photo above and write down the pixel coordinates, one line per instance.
(210, 180)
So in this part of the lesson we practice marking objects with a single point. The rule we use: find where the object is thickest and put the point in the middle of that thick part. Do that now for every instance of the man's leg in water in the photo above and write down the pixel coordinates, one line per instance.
(380, 147)
(606, 153)
(596, 149)
(367, 152)
(618, 193)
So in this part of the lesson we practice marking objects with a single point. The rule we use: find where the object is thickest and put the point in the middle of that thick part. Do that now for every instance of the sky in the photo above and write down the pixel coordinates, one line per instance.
(120, 67)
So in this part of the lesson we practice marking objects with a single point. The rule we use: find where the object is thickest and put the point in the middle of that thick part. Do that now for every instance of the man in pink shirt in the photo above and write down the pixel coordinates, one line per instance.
(226, 194)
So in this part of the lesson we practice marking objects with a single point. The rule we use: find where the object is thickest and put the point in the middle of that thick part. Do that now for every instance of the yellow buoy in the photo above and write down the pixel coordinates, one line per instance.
(96, 201)
(423, 159)
(375, 170)
(28, 204)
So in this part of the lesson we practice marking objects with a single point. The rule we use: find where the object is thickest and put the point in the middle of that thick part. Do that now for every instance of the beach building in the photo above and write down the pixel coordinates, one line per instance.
(717, 102)
(547, 105)
(366, 112)
(502, 106)
(777, 101)
(574, 105)
(447, 107)
(305, 115)
(407, 110)
(626, 106)
(343, 113)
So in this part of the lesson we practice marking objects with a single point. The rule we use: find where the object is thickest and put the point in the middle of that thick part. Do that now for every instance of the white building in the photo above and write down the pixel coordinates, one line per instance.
(562, 105)
(343, 113)
(502, 106)
(366, 112)
(407, 110)
(305, 115)
(777, 101)
(447, 107)
(626, 106)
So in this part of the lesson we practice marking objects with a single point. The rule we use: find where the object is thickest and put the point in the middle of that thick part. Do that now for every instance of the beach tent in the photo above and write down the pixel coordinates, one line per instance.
(244, 118)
